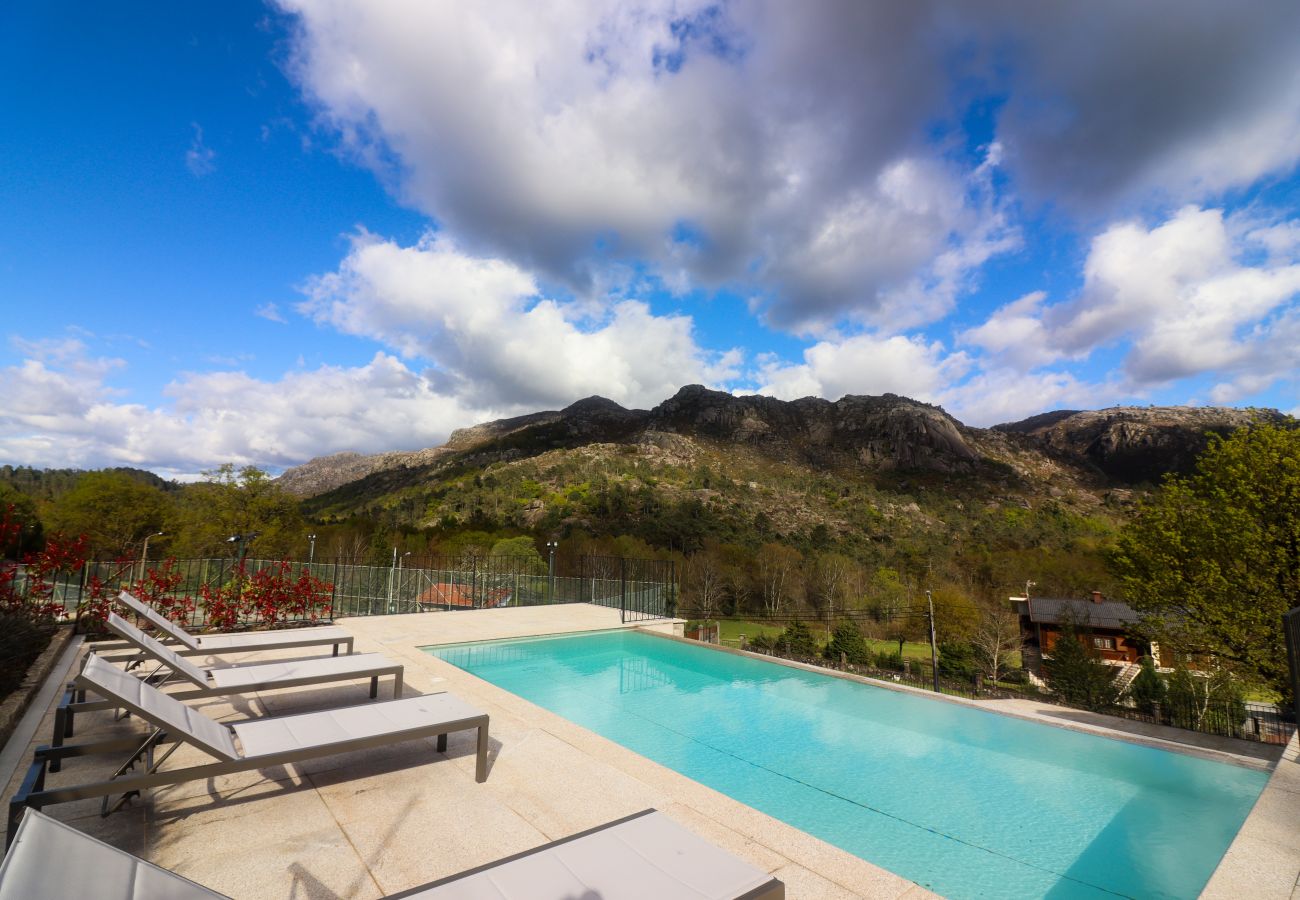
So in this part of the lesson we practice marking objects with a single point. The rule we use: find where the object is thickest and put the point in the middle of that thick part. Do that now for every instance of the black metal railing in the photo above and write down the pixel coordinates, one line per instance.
(638, 588)
(1244, 720)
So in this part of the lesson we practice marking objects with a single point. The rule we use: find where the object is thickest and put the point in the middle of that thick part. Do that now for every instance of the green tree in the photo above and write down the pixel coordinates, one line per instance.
(113, 510)
(1076, 675)
(238, 502)
(523, 553)
(27, 534)
(797, 640)
(1213, 561)
(1148, 688)
(1206, 701)
(848, 640)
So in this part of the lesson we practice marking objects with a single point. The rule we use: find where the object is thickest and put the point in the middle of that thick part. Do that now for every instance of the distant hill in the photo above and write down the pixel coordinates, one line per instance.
(710, 464)
(51, 484)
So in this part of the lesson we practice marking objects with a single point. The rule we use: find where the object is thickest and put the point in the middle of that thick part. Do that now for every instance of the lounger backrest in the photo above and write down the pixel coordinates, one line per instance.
(157, 650)
(155, 707)
(53, 861)
(158, 620)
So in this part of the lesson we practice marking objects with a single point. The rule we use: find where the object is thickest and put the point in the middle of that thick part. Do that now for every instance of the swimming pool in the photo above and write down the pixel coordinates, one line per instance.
(966, 802)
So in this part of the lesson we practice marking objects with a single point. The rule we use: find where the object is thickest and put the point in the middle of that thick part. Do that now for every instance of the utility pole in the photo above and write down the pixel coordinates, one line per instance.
(551, 547)
(934, 649)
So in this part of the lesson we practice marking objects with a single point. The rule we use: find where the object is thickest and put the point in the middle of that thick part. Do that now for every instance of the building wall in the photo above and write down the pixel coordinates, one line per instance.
(1109, 644)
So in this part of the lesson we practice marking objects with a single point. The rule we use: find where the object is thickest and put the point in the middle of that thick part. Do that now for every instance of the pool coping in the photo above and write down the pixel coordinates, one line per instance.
(1170, 744)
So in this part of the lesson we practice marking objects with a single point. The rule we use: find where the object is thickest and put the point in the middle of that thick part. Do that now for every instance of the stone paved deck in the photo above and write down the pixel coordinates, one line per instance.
(373, 823)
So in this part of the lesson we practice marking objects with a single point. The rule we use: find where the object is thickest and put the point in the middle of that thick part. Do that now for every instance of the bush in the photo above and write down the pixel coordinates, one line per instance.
(957, 662)
(797, 640)
(1015, 676)
(22, 639)
(1148, 688)
(762, 642)
(848, 640)
(886, 660)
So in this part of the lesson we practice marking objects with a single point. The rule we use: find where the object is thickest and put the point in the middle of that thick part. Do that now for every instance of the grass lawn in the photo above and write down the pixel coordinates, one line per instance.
(732, 629)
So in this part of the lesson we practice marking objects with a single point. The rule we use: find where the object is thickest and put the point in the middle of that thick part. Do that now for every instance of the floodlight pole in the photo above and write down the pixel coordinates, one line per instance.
(934, 650)
(144, 553)
(311, 553)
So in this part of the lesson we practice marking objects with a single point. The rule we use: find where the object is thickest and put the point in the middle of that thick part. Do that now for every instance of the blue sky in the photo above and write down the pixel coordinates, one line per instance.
(260, 233)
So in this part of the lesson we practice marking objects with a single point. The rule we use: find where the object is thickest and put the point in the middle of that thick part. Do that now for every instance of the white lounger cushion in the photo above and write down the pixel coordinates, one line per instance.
(331, 667)
(158, 650)
(153, 705)
(52, 861)
(644, 858)
(288, 733)
(250, 639)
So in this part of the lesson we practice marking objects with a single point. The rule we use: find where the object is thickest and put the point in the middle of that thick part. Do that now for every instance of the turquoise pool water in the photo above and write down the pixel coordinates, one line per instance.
(965, 802)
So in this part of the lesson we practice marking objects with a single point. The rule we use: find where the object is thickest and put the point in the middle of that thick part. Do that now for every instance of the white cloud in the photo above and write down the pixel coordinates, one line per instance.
(62, 412)
(494, 341)
(804, 153)
(200, 159)
(496, 349)
(270, 312)
(998, 395)
(865, 364)
(1195, 294)
(752, 144)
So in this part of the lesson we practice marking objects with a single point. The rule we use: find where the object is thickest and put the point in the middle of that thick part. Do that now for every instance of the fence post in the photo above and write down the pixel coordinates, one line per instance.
(334, 590)
(473, 582)
(1291, 631)
(622, 589)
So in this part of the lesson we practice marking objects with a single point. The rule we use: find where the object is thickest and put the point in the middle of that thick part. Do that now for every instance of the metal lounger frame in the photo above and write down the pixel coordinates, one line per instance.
(336, 641)
(74, 699)
(33, 793)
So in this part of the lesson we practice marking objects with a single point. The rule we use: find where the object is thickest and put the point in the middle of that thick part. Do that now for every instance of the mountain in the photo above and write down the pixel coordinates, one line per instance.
(887, 433)
(1134, 444)
(889, 481)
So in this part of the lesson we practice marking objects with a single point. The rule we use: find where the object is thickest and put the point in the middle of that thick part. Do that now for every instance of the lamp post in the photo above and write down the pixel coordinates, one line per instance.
(311, 553)
(934, 651)
(401, 559)
(144, 552)
(551, 547)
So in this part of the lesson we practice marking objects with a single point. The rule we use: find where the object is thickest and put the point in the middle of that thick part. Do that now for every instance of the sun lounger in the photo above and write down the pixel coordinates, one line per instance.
(49, 860)
(242, 746)
(238, 642)
(643, 855)
(226, 680)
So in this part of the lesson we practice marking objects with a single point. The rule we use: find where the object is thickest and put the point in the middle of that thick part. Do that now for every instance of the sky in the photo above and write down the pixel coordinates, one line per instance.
(262, 232)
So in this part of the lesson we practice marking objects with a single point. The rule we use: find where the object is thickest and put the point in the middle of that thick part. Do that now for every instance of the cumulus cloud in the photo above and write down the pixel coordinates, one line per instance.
(1114, 101)
(495, 341)
(475, 341)
(806, 153)
(1195, 294)
(751, 144)
(865, 364)
(62, 411)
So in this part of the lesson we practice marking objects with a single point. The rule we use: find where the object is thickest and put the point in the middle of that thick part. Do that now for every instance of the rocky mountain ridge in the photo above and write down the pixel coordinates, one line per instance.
(882, 434)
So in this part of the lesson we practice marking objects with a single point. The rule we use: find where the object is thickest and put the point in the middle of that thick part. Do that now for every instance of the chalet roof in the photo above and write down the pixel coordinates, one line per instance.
(447, 594)
(1084, 613)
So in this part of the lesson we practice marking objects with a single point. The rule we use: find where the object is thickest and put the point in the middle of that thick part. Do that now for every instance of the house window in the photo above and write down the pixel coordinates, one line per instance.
(1103, 643)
